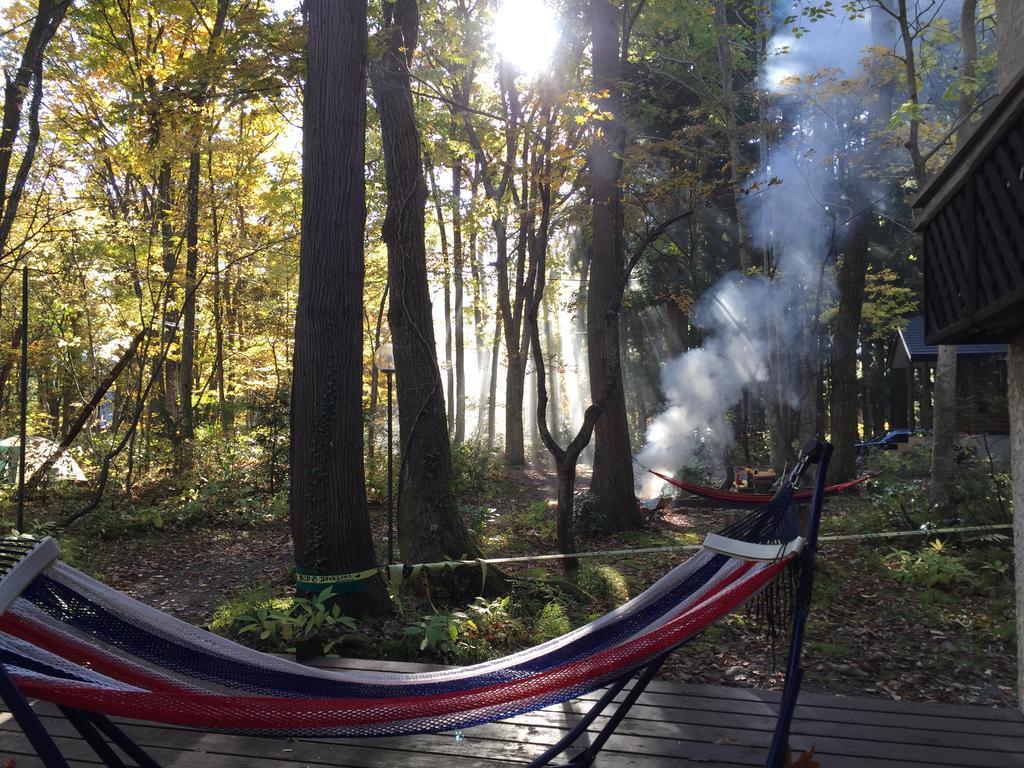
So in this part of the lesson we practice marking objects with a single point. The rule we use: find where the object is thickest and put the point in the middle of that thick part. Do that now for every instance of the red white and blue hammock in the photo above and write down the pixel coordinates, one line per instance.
(70, 640)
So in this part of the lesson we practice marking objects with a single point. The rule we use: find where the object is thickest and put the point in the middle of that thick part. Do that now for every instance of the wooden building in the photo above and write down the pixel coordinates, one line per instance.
(981, 383)
(972, 218)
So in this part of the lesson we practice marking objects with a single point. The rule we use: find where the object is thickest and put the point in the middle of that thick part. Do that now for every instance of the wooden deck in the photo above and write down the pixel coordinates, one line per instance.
(696, 726)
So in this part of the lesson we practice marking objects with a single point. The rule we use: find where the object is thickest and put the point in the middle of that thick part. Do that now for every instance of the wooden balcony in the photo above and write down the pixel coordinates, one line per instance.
(672, 725)
(971, 216)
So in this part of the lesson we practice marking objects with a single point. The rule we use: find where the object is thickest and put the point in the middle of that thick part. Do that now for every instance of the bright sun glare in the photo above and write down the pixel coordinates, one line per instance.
(526, 35)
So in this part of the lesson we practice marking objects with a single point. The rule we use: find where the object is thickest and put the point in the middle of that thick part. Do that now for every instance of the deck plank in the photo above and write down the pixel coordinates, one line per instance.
(679, 725)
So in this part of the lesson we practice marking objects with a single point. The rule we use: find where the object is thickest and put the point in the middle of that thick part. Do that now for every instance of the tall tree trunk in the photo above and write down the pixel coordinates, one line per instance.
(171, 317)
(371, 425)
(732, 134)
(446, 279)
(968, 86)
(492, 394)
(850, 282)
(554, 387)
(516, 366)
(509, 306)
(188, 331)
(218, 309)
(458, 264)
(199, 96)
(430, 527)
(330, 522)
(909, 60)
(479, 319)
(612, 481)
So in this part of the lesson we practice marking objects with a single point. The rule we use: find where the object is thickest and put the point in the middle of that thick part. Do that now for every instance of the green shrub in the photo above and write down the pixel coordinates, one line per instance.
(934, 567)
(551, 623)
(603, 582)
(475, 466)
(248, 601)
(482, 631)
(280, 624)
(901, 490)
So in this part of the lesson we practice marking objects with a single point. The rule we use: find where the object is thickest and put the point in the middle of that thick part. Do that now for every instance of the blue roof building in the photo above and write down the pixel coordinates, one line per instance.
(980, 382)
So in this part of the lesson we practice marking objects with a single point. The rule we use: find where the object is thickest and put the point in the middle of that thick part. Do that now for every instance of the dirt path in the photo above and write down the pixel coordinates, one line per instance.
(189, 574)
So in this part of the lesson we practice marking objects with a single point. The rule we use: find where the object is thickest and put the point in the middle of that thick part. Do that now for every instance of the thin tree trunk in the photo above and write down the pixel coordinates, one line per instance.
(9, 359)
(75, 426)
(169, 405)
(218, 310)
(510, 308)
(910, 66)
(49, 15)
(944, 431)
(458, 264)
(553, 368)
(447, 281)
(371, 426)
(492, 395)
(968, 86)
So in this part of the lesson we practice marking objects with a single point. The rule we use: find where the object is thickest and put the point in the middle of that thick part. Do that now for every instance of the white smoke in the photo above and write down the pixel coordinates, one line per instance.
(795, 207)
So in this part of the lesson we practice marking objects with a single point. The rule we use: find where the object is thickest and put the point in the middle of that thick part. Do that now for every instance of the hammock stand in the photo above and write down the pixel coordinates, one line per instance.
(23, 562)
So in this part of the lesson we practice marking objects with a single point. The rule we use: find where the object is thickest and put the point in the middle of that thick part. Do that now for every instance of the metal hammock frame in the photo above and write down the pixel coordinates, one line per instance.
(102, 735)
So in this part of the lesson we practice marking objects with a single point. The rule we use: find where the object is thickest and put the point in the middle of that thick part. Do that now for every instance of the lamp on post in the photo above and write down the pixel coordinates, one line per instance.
(384, 359)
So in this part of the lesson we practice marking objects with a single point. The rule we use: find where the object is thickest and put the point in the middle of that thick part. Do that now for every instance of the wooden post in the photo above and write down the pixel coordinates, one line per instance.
(1009, 29)
(1015, 371)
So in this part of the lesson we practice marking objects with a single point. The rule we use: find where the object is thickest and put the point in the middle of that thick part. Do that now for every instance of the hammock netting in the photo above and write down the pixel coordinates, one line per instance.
(73, 641)
(734, 498)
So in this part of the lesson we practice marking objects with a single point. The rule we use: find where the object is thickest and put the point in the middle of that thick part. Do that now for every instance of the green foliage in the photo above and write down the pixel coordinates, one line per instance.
(933, 567)
(475, 468)
(248, 601)
(438, 633)
(282, 623)
(604, 583)
(887, 304)
(475, 634)
(901, 491)
(553, 622)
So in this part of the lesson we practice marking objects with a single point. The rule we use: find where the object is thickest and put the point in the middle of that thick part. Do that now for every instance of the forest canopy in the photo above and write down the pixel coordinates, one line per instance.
(693, 214)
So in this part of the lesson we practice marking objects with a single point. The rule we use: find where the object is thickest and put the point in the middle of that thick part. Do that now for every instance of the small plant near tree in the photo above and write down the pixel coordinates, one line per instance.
(282, 623)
